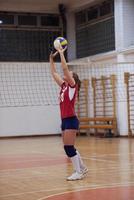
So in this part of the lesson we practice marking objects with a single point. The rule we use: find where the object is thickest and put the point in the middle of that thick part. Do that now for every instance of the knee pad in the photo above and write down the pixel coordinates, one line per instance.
(70, 150)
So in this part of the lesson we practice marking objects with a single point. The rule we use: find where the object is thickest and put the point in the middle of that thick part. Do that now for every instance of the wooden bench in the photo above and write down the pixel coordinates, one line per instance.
(108, 123)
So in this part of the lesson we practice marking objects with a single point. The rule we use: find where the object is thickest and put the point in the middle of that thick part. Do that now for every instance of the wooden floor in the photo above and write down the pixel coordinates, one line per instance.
(35, 168)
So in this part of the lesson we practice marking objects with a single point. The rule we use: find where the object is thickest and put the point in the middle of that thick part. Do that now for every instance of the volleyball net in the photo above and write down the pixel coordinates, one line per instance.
(97, 70)
(27, 84)
(31, 84)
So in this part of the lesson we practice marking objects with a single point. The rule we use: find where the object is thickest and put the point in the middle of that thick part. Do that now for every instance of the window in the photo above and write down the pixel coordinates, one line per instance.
(95, 38)
(97, 35)
(29, 36)
(92, 13)
(50, 20)
(26, 45)
(80, 17)
(95, 12)
(27, 20)
(6, 19)
(105, 8)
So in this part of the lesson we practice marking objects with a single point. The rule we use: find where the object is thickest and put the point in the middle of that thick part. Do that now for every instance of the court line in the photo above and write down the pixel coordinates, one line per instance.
(34, 160)
(37, 191)
(78, 190)
(25, 169)
(62, 155)
(112, 154)
(101, 160)
(6, 170)
(95, 186)
(110, 170)
(41, 152)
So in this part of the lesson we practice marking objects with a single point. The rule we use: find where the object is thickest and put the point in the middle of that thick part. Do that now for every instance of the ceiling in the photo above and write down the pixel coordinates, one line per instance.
(41, 5)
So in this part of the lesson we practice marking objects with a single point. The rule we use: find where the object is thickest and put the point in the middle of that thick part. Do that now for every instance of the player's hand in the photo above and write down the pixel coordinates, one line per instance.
(53, 55)
(61, 50)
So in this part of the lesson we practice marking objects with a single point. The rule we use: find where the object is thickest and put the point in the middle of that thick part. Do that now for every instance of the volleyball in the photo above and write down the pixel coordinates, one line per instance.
(60, 42)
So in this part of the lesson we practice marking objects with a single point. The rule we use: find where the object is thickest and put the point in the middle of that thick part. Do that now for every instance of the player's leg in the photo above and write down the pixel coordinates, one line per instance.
(70, 127)
(83, 167)
(69, 141)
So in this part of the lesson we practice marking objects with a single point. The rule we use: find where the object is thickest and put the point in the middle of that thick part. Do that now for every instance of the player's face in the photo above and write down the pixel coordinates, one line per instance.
(65, 78)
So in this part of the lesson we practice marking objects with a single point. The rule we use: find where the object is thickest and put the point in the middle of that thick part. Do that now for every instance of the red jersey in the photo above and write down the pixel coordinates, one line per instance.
(67, 100)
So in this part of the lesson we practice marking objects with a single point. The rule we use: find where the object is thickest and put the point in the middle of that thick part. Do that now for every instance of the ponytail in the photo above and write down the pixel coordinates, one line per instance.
(77, 81)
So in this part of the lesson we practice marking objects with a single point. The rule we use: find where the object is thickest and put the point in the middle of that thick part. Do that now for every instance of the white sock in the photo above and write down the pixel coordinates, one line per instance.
(76, 163)
(82, 166)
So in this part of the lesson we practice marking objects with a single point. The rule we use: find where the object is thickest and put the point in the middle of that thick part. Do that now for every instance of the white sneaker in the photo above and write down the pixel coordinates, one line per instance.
(75, 176)
(85, 170)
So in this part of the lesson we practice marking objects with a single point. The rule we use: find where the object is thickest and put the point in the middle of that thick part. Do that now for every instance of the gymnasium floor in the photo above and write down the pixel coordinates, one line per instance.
(35, 168)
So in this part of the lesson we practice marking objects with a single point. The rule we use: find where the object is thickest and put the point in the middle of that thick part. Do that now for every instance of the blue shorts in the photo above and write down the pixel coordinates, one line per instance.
(70, 123)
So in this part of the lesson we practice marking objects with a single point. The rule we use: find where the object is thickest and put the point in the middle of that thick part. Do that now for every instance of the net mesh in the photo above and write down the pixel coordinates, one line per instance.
(88, 71)
(31, 84)
(27, 85)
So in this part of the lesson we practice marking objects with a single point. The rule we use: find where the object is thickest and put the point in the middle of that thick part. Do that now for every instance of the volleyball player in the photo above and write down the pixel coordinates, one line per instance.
(70, 85)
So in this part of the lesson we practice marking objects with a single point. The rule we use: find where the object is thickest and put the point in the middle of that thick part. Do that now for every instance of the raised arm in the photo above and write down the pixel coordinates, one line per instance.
(66, 71)
(54, 73)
